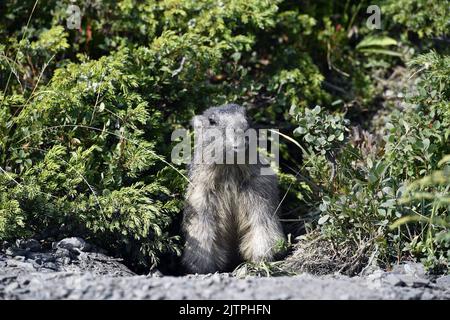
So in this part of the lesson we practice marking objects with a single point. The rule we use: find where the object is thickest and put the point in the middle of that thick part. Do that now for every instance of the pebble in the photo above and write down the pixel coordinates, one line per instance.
(29, 244)
(12, 286)
(50, 265)
(73, 243)
(416, 269)
(443, 281)
(20, 258)
(394, 280)
(62, 253)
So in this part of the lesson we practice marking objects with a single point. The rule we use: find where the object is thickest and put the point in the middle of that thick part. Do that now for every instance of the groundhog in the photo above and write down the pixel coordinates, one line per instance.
(230, 211)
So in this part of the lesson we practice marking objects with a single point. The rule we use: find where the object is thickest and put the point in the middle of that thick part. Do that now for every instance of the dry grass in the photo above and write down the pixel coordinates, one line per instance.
(316, 255)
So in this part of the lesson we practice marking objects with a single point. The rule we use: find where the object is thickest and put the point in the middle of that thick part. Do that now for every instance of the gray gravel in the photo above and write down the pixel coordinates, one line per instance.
(74, 270)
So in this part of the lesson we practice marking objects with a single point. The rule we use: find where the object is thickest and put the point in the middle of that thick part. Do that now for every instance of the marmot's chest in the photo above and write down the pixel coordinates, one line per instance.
(224, 192)
(226, 183)
(232, 185)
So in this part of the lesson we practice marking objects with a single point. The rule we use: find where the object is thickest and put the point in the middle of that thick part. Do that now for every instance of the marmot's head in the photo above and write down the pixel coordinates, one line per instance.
(221, 129)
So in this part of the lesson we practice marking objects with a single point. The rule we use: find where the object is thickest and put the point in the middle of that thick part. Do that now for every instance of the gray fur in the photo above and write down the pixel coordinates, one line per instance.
(230, 209)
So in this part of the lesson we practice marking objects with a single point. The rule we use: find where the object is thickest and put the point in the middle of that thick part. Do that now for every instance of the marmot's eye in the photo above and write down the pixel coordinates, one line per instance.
(212, 121)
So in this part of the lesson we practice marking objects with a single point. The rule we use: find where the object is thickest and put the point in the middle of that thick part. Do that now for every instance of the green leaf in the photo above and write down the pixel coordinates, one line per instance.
(426, 143)
(317, 110)
(376, 41)
(300, 131)
(309, 138)
(323, 219)
(382, 51)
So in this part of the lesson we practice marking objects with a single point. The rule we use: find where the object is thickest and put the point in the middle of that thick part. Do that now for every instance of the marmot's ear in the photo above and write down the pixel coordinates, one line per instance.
(197, 122)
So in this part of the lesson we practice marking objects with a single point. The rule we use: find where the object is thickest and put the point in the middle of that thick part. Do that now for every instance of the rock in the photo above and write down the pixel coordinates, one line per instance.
(394, 280)
(29, 244)
(5, 245)
(50, 265)
(155, 273)
(444, 282)
(375, 277)
(12, 286)
(62, 253)
(420, 283)
(20, 258)
(413, 281)
(64, 261)
(73, 243)
(21, 266)
(415, 269)
(41, 257)
(14, 251)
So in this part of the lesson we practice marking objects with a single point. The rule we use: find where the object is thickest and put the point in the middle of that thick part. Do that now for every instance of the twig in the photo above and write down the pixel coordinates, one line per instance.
(17, 54)
(177, 71)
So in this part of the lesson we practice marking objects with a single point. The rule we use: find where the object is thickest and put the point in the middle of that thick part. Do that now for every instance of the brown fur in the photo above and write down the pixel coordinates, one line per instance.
(230, 210)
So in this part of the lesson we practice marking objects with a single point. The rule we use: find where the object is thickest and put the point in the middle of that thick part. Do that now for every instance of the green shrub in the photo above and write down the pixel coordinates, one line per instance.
(359, 207)
(424, 17)
(322, 133)
(86, 116)
(431, 192)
